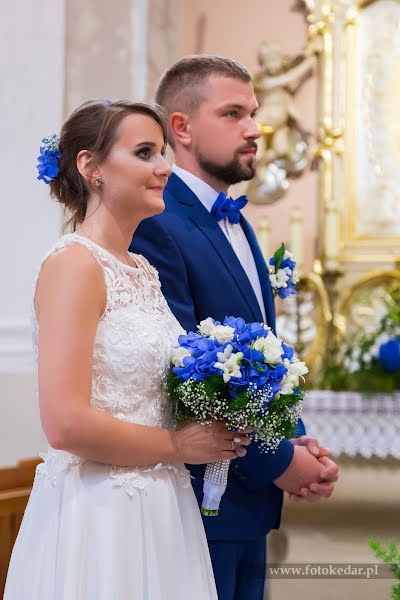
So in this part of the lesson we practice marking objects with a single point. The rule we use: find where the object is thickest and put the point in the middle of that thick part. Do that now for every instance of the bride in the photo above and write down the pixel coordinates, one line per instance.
(112, 514)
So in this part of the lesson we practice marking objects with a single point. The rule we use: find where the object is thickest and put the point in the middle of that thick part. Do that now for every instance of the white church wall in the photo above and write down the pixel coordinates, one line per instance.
(55, 54)
(31, 106)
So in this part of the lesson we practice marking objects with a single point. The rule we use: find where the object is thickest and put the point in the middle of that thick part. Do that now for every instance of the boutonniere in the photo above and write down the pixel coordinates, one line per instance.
(283, 273)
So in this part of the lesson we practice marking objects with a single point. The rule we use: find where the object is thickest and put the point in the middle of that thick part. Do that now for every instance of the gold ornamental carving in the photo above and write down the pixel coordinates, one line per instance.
(358, 154)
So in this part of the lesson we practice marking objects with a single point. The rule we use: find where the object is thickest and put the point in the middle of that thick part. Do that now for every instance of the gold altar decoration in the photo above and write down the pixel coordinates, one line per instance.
(283, 148)
(365, 302)
(359, 148)
(359, 163)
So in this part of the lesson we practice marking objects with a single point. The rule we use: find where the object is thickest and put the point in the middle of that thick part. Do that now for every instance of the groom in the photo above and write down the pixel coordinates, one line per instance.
(210, 265)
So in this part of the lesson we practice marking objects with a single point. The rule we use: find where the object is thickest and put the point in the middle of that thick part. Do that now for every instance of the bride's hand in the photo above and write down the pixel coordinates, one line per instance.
(199, 444)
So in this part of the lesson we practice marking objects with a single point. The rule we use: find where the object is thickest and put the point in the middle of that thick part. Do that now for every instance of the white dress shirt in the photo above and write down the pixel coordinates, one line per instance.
(233, 231)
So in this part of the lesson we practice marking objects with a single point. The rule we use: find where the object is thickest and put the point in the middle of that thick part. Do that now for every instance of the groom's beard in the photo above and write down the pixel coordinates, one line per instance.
(232, 172)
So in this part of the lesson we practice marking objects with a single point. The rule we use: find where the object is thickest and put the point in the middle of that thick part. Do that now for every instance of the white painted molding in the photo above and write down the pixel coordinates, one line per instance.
(16, 355)
(139, 33)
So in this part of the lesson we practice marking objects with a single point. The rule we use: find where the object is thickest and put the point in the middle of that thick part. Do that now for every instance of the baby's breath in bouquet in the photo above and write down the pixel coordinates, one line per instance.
(239, 373)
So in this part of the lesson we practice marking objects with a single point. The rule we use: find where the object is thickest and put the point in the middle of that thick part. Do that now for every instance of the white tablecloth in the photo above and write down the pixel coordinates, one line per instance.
(352, 423)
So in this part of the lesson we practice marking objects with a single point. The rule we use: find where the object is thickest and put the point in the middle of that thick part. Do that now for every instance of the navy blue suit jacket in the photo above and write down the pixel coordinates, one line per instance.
(202, 277)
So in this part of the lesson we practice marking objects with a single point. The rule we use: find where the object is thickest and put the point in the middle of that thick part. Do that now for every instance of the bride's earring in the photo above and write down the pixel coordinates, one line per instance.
(98, 181)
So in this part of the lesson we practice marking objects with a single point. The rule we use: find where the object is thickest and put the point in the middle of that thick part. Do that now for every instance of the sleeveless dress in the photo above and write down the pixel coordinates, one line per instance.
(103, 532)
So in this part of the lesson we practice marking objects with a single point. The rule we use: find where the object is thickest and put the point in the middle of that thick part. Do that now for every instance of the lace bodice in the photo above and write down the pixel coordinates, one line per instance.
(132, 348)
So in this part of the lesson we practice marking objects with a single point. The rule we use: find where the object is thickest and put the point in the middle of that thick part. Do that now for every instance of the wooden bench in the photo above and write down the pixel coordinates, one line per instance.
(15, 487)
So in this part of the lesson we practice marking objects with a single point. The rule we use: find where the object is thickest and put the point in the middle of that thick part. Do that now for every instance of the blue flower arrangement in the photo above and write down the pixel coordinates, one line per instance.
(48, 160)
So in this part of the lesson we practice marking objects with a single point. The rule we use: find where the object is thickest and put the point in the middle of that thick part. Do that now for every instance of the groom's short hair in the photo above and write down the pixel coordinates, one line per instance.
(180, 88)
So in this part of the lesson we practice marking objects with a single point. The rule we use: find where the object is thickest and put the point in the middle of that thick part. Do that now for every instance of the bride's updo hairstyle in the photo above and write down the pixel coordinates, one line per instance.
(91, 127)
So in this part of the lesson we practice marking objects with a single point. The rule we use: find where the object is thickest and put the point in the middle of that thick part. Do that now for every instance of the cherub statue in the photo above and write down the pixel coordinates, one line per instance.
(305, 6)
(285, 135)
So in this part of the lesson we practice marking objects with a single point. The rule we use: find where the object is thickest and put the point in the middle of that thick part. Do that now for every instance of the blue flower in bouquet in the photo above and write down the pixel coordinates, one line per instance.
(271, 376)
(195, 358)
(205, 346)
(283, 274)
(191, 340)
(197, 344)
(184, 364)
(237, 323)
(389, 355)
(196, 369)
(248, 376)
(205, 366)
(48, 160)
(252, 332)
(243, 332)
(288, 351)
(251, 356)
(275, 377)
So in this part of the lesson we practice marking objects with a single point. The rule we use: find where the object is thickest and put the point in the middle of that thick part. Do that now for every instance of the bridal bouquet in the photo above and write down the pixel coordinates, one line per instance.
(239, 373)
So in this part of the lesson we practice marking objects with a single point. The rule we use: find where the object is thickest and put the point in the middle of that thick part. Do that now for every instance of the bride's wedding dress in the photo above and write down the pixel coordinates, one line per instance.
(102, 532)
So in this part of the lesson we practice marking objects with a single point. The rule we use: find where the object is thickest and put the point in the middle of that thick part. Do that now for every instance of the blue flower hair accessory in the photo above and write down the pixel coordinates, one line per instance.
(48, 160)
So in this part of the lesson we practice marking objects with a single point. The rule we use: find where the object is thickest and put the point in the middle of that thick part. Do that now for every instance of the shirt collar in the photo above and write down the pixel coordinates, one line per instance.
(204, 192)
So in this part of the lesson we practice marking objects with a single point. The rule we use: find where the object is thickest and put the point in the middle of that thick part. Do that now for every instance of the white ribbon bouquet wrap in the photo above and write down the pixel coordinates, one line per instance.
(243, 375)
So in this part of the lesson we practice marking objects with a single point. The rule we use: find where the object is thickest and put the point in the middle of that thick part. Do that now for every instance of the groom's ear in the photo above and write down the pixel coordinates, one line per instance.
(181, 128)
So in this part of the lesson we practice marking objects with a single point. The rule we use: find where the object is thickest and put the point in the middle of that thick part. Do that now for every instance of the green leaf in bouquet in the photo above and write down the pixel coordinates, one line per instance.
(278, 256)
(276, 409)
(239, 402)
(215, 385)
(278, 403)
(184, 414)
(172, 382)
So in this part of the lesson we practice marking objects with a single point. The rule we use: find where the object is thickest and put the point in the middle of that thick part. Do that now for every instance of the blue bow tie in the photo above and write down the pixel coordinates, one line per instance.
(226, 208)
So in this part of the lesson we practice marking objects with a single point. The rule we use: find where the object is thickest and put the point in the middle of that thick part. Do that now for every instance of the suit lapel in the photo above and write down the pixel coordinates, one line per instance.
(262, 271)
(191, 206)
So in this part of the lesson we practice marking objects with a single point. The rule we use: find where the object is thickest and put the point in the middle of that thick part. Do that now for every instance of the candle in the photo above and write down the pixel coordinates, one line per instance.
(264, 230)
(331, 237)
(296, 236)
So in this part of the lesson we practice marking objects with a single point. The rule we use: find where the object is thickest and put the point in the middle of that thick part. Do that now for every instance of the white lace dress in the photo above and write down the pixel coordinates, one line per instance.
(102, 532)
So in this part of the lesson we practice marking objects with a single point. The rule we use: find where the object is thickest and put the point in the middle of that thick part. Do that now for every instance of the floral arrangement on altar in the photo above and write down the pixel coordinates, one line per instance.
(371, 362)
(239, 373)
